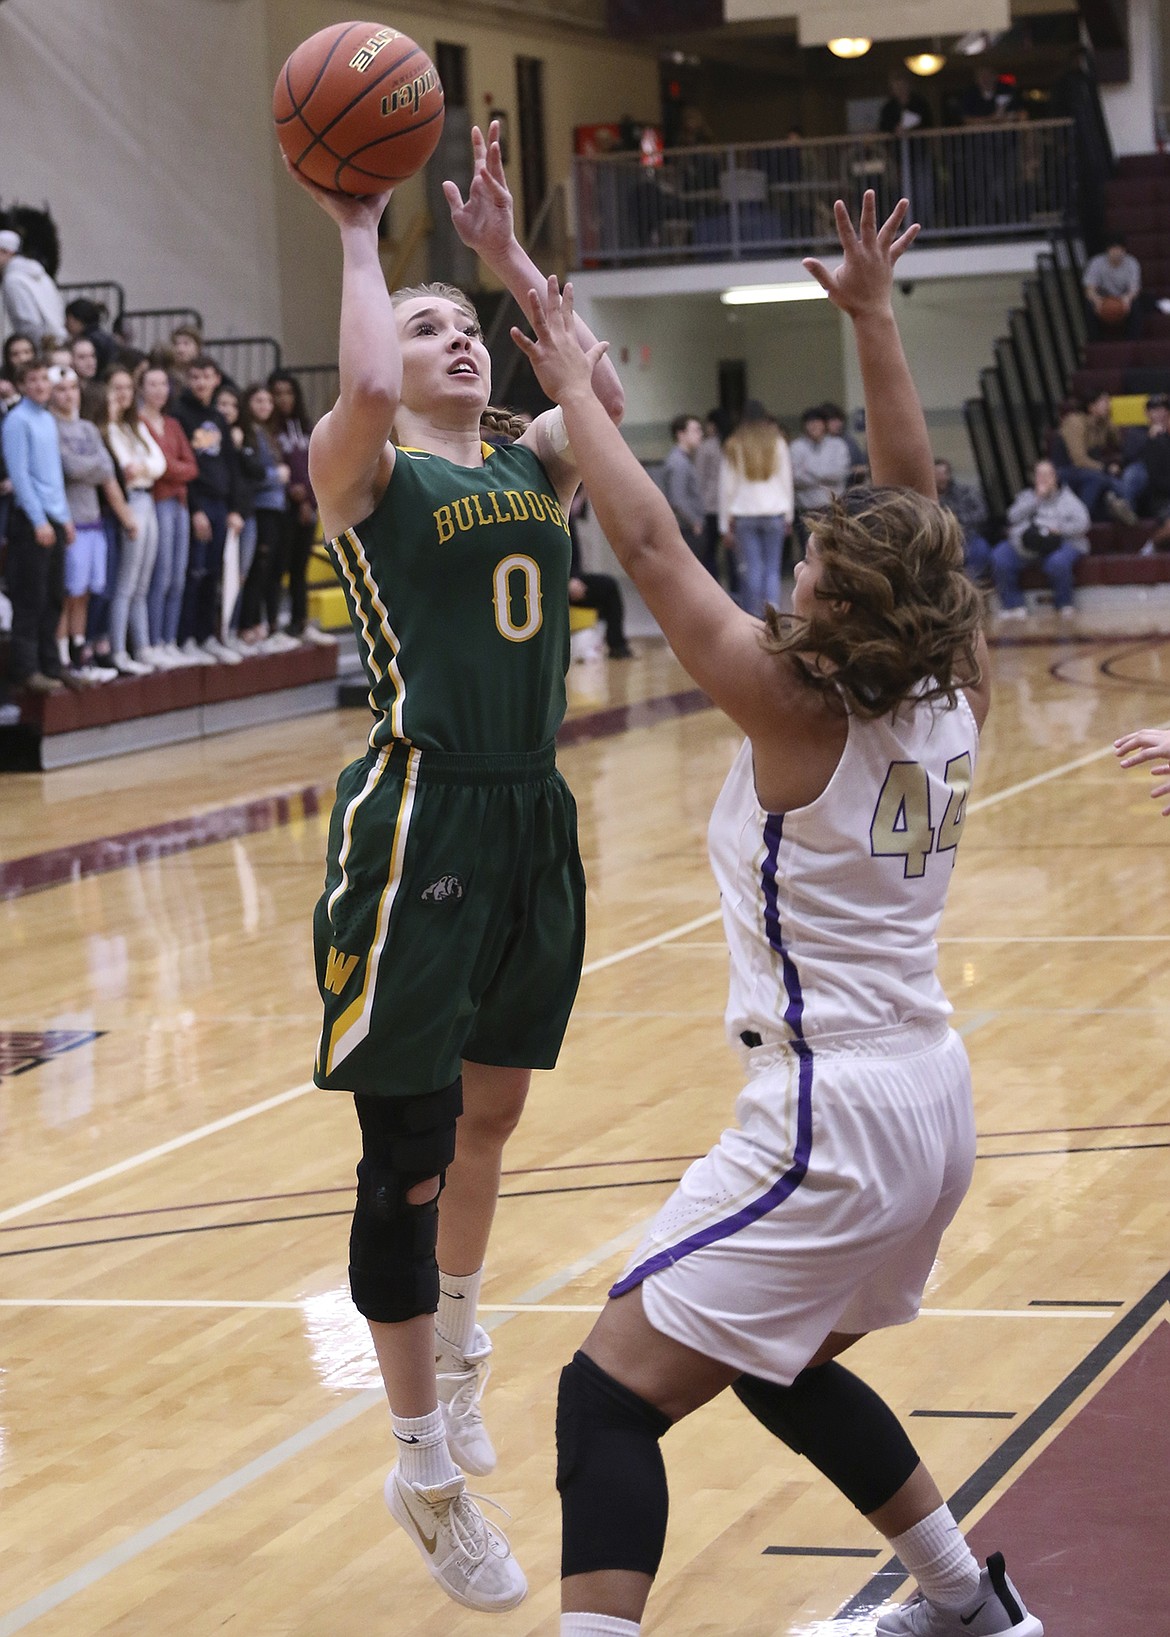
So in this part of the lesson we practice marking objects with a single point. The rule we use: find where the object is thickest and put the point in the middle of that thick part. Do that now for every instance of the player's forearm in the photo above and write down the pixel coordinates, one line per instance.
(369, 357)
(899, 444)
(634, 514)
(521, 274)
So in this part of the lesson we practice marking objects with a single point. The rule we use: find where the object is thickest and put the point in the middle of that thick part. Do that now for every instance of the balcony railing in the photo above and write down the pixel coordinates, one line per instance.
(751, 200)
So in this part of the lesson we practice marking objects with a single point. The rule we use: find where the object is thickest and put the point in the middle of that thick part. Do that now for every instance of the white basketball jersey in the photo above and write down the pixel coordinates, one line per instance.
(831, 910)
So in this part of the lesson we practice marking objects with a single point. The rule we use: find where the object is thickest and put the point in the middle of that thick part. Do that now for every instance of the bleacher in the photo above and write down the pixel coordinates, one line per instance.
(1047, 355)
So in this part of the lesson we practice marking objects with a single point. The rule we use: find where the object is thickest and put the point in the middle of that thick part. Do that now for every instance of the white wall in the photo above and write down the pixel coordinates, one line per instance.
(1131, 111)
(144, 125)
(667, 352)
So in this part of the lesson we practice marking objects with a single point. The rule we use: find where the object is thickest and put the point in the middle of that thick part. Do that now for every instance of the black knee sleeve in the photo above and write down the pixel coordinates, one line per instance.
(610, 1474)
(393, 1272)
(834, 1420)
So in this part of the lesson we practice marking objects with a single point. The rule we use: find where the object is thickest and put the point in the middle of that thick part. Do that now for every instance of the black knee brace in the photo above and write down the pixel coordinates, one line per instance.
(834, 1420)
(610, 1475)
(393, 1273)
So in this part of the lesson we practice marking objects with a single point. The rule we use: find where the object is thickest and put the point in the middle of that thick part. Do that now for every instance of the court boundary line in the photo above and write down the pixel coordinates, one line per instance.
(194, 1304)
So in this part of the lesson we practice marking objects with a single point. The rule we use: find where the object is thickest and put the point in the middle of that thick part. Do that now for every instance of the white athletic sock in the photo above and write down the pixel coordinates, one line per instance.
(937, 1555)
(458, 1300)
(597, 1625)
(63, 650)
(423, 1456)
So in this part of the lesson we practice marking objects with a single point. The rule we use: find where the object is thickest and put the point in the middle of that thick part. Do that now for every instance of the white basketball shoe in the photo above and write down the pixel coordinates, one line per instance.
(461, 1379)
(995, 1608)
(468, 1556)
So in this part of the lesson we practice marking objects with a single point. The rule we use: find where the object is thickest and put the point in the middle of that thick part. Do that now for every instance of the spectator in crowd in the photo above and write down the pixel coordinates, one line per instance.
(708, 463)
(1047, 527)
(600, 591)
(905, 109)
(269, 476)
(680, 484)
(141, 463)
(293, 427)
(31, 299)
(214, 496)
(1113, 286)
(858, 459)
(84, 359)
(39, 529)
(186, 347)
(756, 505)
(1087, 456)
(1150, 467)
(19, 350)
(966, 504)
(991, 99)
(164, 600)
(820, 464)
(251, 475)
(89, 475)
(83, 318)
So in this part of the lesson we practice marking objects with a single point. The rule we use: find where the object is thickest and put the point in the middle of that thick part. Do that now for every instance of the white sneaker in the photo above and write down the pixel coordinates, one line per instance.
(193, 654)
(461, 1381)
(126, 666)
(1020, 613)
(466, 1554)
(995, 1608)
(1066, 611)
(314, 635)
(155, 658)
(280, 642)
(220, 651)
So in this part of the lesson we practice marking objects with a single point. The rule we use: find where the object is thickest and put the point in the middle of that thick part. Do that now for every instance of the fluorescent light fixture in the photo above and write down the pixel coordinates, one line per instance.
(925, 63)
(846, 47)
(748, 295)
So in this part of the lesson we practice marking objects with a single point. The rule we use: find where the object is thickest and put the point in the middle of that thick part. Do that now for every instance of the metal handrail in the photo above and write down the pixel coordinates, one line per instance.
(756, 199)
(108, 293)
(228, 351)
(158, 324)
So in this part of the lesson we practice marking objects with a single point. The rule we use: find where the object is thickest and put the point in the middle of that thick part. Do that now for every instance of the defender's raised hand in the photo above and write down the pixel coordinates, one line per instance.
(485, 220)
(864, 280)
(1148, 745)
(562, 365)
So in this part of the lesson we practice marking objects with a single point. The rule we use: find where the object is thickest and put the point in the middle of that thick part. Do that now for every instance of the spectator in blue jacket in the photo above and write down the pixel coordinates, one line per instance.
(39, 529)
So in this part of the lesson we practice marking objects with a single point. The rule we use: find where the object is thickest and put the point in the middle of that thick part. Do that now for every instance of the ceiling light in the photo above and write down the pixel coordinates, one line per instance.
(747, 295)
(925, 63)
(850, 47)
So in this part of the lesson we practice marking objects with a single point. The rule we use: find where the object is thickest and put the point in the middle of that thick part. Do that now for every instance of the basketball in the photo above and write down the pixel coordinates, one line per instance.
(1112, 310)
(358, 106)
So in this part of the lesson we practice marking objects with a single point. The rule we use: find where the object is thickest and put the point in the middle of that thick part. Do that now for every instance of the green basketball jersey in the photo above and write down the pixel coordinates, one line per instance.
(458, 590)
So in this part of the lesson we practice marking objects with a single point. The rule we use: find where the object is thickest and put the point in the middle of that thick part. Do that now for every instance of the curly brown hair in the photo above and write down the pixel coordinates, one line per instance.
(895, 609)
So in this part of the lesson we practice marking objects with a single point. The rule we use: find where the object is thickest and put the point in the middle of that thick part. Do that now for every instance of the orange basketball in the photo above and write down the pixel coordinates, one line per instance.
(1112, 310)
(357, 107)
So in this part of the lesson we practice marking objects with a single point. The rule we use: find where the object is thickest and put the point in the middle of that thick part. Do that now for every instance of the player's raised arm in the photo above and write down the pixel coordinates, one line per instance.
(862, 286)
(900, 455)
(485, 223)
(350, 458)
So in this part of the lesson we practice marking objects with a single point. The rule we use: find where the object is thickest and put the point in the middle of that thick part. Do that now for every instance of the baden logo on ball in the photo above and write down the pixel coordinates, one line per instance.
(358, 107)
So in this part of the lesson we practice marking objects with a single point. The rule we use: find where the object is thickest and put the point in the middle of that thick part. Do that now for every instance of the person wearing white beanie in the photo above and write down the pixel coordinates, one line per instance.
(31, 299)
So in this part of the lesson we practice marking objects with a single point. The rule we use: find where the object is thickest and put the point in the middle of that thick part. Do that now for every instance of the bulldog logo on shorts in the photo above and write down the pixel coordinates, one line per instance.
(447, 886)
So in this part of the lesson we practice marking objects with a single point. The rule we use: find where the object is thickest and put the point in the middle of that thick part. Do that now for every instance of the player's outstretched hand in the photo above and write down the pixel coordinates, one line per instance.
(347, 210)
(485, 220)
(864, 280)
(562, 366)
(1148, 745)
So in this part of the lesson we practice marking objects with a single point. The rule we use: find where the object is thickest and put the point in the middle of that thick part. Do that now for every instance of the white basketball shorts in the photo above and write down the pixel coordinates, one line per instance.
(822, 1210)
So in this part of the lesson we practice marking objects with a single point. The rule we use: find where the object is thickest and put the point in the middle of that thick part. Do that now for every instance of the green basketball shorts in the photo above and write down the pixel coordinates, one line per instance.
(452, 924)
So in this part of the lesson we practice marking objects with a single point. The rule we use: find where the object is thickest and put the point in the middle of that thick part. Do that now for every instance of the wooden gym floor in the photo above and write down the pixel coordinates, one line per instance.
(191, 1436)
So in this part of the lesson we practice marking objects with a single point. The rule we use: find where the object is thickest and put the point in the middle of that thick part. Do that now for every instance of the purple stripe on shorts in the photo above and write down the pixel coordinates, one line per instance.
(794, 1017)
